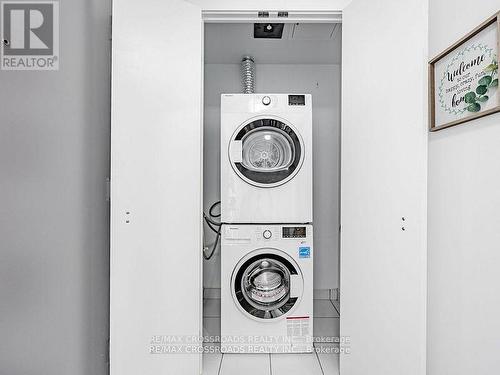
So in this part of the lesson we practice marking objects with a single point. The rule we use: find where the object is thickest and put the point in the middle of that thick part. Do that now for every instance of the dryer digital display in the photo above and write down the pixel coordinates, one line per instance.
(294, 232)
(296, 100)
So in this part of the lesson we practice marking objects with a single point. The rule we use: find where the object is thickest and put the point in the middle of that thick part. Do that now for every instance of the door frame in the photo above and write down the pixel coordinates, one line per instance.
(251, 16)
(313, 16)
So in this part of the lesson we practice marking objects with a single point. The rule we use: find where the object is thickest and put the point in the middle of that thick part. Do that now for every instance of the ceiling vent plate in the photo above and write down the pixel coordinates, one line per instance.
(314, 31)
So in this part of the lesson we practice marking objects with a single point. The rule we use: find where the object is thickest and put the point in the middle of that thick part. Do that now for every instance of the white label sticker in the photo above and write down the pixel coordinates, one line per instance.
(299, 333)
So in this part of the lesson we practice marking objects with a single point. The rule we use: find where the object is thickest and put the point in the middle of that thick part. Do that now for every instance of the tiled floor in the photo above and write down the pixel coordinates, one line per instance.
(323, 362)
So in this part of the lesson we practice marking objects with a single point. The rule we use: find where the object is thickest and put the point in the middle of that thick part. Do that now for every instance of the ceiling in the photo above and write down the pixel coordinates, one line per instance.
(300, 44)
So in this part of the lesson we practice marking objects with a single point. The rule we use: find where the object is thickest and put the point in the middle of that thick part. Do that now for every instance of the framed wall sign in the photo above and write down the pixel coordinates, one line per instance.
(463, 79)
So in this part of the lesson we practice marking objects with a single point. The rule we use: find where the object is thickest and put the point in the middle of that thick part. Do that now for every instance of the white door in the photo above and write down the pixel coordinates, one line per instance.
(384, 167)
(156, 182)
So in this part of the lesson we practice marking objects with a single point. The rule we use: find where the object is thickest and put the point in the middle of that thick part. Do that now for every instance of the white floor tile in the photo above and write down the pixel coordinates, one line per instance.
(326, 329)
(212, 358)
(245, 364)
(323, 308)
(211, 308)
(211, 329)
(295, 364)
(328, 357)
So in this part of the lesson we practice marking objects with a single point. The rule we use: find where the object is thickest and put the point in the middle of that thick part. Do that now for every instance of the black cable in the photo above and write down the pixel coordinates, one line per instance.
(214, 247)
(211, 223)
(212, 208)
(209, 219)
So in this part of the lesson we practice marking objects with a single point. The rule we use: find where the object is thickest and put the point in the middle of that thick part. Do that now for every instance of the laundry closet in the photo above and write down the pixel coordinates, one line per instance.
(292, 119)
(294, 71)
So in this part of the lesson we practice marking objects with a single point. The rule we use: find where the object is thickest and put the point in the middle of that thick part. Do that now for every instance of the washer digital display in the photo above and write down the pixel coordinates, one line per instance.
(294, 232)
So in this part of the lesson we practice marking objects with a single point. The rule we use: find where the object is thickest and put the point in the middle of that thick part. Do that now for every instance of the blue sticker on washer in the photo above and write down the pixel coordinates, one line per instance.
(304, 252)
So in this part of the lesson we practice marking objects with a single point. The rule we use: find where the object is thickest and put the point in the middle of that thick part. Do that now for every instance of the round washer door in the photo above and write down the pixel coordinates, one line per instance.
(262, 282)
(266, 152)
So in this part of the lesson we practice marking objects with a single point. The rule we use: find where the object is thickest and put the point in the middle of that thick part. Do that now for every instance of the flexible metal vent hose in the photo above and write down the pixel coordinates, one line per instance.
(248, 73)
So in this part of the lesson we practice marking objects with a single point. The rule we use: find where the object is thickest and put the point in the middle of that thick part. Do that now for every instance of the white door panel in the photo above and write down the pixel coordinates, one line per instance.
(384, 156)
(155, 183)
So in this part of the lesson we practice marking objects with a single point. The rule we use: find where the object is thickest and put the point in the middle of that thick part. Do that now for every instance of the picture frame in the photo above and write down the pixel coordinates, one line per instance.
(463, 79)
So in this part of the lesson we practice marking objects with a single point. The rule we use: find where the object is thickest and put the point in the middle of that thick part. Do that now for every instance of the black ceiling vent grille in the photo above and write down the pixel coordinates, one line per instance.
(268, 30)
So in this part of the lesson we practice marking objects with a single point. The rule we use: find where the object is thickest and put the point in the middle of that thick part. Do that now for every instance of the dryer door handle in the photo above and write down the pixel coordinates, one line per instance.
(236, 151)
(296, 286)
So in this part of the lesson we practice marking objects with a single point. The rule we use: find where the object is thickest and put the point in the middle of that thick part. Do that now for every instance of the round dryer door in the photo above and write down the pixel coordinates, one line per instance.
(266, 152)
(262, 284)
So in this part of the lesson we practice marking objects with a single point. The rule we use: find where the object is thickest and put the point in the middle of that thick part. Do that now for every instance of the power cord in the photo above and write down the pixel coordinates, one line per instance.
(215, 226)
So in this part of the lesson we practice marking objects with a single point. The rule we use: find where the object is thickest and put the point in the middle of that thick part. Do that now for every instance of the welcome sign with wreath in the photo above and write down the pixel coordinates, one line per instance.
(464, 78)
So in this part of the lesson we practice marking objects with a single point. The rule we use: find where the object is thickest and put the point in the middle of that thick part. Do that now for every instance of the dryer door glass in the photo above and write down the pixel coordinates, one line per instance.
(271, 153)
(267, 150)
(262, 286)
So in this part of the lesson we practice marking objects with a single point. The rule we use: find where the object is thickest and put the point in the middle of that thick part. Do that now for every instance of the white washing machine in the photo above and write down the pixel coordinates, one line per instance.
(266, 158)
(267, 288)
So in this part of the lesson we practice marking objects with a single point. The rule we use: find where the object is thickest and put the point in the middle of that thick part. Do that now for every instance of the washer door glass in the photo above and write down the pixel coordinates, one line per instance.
(262, 286)
(271, 152)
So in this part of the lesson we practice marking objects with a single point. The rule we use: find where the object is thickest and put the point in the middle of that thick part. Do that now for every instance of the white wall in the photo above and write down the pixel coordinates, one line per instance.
(323, 82)
(464, 222)
(54, 219)
(271, 4)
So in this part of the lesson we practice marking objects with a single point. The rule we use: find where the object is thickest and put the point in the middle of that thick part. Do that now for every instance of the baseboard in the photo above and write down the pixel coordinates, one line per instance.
(335, 294)
(211, 293)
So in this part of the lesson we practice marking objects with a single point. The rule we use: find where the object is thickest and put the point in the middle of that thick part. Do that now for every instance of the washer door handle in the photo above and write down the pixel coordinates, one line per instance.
(296, 286)
(236, 152)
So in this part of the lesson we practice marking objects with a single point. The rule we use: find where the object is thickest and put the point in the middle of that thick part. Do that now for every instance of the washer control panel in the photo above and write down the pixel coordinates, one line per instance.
(267, 233)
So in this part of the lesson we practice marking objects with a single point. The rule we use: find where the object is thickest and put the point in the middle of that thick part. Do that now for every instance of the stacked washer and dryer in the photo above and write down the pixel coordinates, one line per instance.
(266, 215)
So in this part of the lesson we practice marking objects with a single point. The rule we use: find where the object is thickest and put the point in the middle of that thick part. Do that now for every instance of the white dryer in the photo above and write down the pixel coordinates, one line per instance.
(266, 158)
(267, 288)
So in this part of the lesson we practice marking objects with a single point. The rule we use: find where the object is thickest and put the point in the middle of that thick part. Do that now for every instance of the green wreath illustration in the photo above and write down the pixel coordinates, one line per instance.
(473, 99)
